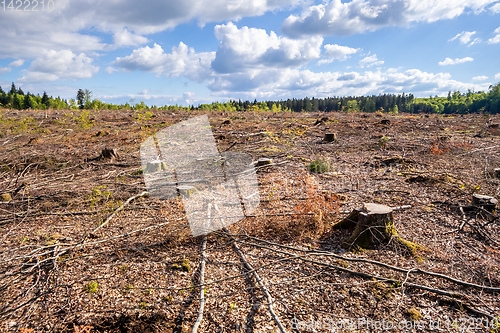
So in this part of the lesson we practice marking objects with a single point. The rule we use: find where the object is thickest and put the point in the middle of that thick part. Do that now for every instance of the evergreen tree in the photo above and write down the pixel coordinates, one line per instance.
(20, 92)
(13, 89)
(80, 98)
(28, 101)
(45, 100)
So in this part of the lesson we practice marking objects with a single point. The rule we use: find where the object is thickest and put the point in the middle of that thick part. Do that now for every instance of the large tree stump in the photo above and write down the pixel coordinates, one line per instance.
(484, 201)
(373, 225)
(330, 137)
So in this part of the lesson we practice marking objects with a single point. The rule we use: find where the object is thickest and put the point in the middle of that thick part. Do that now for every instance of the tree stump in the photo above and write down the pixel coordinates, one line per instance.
(484, 201)
(373, 225)
(330, 137)
(109, 153)
(263, 161)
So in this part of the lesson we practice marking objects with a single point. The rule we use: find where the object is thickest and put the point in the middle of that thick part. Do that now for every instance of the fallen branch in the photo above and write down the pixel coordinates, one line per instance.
(261, 284)
(377, 263)
(129, 200)
(202, 285)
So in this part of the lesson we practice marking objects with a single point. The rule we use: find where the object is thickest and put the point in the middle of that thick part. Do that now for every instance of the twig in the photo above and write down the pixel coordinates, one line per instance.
(377, 263)
(202, 285)
(118, 210)
(261, 284)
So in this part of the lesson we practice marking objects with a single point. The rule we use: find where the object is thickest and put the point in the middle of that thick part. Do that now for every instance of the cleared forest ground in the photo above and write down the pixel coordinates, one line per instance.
(60, 271)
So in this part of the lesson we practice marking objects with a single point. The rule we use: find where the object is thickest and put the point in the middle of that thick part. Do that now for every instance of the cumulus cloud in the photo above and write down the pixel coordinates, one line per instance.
(60, 65)
(465, 37)
(5, 70)
(126, 38)
(370, 61)
(246, 48)
(495, 8)
(24, 34)
(496, 39)
(497, 76)
(337, 52)
(456, 61)
(182, 61)
(335, 17)
(480, 78)
(281, 83)
(17, 63)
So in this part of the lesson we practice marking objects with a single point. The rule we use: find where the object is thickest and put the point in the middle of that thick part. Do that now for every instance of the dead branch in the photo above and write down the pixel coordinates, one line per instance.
(202, 286)
(261, 284)
(118, 210)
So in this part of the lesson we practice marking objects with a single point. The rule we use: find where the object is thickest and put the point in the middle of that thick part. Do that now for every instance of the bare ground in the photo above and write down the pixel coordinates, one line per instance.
(60, 271)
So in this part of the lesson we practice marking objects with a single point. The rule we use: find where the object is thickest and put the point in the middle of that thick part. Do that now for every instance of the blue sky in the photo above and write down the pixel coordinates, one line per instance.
(198, 51)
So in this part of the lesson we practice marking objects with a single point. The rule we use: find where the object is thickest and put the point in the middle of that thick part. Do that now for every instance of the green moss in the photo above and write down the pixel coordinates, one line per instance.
(182, 265)
(91, 287)
(5, 197)
(409, 246)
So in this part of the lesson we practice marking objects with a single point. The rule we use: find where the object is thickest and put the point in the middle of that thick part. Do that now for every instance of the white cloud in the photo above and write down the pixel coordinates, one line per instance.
(126, 38)
(111, 70)
(336, 17)
(17, 63)
(60, 65)
(480, 78)
(65, 27)
(182, 61)
(246, 48)
(495, 8)
(337, 52)
(280, 83)
(497, 76)
(456, 61)
(5, 70)
(465, 37)
(370, 61)
(496, 39)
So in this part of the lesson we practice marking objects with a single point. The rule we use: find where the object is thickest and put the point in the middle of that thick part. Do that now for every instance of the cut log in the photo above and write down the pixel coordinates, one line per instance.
(330, 137)
(484, 201)
(373, 225)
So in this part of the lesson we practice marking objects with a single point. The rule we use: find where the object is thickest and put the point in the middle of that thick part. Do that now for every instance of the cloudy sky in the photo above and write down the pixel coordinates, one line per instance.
(197, 51)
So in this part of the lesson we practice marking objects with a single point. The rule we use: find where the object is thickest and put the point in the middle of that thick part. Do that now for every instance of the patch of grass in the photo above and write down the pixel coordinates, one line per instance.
(383, 141)
(91, 287)
(319, 166)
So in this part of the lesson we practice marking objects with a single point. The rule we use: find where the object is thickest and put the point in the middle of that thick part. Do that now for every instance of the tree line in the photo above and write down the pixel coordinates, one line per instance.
(456, 102)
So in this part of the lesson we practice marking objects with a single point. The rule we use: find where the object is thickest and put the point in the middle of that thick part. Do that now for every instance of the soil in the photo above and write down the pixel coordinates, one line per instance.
(61, 272)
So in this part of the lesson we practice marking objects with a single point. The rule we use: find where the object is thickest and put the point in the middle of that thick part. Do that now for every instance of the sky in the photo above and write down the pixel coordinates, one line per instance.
(166, 52)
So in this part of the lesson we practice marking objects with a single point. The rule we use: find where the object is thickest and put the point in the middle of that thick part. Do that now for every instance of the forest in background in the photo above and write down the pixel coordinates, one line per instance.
(455, 102)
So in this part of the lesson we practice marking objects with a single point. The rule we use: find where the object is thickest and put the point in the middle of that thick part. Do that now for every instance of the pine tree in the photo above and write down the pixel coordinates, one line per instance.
(80, 98)
(20, 92)
(13, 89)
(28, 101)
(45, 100)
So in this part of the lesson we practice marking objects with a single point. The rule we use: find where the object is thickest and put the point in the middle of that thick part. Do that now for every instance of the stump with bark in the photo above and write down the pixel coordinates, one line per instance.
(330, 137)
(484, 201)
(373, 225)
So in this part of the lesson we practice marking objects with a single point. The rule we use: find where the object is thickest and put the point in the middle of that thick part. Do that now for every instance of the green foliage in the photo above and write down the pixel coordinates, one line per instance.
(182, 265)
(319, 166)
(383, 141)
(91, 287)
